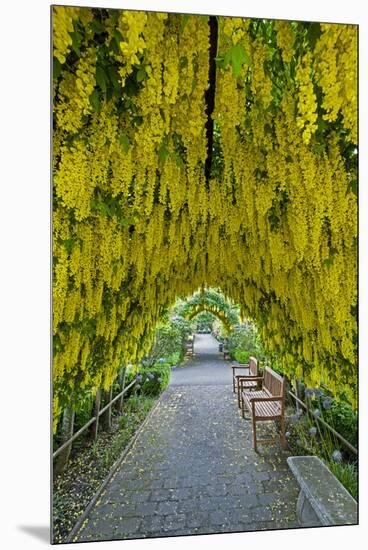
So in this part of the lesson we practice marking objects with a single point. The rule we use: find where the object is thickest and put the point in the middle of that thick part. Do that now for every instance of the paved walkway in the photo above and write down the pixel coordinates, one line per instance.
(192, 469)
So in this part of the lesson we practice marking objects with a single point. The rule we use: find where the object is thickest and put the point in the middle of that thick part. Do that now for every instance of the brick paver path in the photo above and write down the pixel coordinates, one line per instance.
(192, 469)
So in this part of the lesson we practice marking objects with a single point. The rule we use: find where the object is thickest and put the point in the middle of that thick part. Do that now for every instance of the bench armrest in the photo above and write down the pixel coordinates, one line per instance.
(261, 399)
(239, 367)
(249, 377)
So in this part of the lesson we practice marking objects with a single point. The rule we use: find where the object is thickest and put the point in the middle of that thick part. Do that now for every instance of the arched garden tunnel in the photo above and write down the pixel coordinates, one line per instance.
(212, 302)
(209, 311)
(179, 165)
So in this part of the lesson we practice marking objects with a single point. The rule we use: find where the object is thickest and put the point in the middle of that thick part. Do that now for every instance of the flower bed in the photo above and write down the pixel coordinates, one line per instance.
(306, 435)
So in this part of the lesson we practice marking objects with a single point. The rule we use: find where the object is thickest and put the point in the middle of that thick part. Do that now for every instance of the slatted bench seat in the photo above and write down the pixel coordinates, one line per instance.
(266, 404)
(248, 379)
(322, 500)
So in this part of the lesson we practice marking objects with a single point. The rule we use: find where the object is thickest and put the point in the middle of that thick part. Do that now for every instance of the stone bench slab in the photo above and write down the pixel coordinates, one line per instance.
(323, 500)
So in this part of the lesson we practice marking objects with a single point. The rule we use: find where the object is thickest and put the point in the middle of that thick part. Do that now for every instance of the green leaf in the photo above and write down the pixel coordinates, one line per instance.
(354, 186)
(69, 244)
(96, 26)
(322, 125)
(178, 160)
(329, 261)
(94, 99)
(114, 77)
(162, 152)
(236, 56)
(131, 87)
(184, 21)
(220, 62)
(318, 148)
(183, 62)
(56, 68)
(113, 45)
(118, 37)
(101, 78)
(114, 15)
(141, 75)
(76, 41)
(109, 93)
(313, 33)
(227, 58)
(124, 142)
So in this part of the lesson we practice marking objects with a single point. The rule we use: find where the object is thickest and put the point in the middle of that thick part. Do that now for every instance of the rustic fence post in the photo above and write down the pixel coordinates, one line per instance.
(106, 416)
(67, 433)
(96, 410)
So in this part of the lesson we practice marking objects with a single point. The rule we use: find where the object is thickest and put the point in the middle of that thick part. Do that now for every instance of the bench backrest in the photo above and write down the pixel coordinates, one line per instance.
(253, 366)
(273, 383)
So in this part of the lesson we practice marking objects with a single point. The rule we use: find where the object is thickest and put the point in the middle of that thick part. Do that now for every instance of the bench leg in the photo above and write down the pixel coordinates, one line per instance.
(242, 406)
(307, 517)
(254, 434)
(240, 389)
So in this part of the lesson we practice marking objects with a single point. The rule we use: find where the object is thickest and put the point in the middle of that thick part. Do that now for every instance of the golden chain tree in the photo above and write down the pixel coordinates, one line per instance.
(137, 222)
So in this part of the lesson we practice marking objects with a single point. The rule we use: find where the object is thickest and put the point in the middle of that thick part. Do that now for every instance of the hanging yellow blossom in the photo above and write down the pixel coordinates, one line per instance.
(137, 223)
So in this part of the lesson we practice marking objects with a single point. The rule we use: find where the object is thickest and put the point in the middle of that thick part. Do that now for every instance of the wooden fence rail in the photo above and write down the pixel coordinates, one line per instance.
(324, 423)
(91, 421)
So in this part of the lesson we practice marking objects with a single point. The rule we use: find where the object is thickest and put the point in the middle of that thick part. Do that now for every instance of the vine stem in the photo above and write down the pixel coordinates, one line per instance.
(210, 93)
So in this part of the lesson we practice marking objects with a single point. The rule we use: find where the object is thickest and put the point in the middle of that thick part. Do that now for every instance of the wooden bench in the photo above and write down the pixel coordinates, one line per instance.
(266, 404)
(322, 500)
(245, 380)
(190, 347)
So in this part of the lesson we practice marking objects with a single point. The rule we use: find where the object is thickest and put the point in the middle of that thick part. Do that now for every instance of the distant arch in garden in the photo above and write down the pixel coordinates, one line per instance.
(222, 316)
(214, 302)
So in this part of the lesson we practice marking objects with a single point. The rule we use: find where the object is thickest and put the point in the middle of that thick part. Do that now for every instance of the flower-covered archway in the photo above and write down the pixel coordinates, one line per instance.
(142, 101)
(212, 301)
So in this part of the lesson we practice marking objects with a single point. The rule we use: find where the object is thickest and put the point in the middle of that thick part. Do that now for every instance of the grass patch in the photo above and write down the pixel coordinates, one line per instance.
(347, 475)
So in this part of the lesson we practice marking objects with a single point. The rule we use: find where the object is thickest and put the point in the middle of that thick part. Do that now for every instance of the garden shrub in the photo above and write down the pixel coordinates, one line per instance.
(129, 375)
(170, 339)
(344, 419)
(244, 339)
(241, 356)
(154, 379)
(174, 358)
